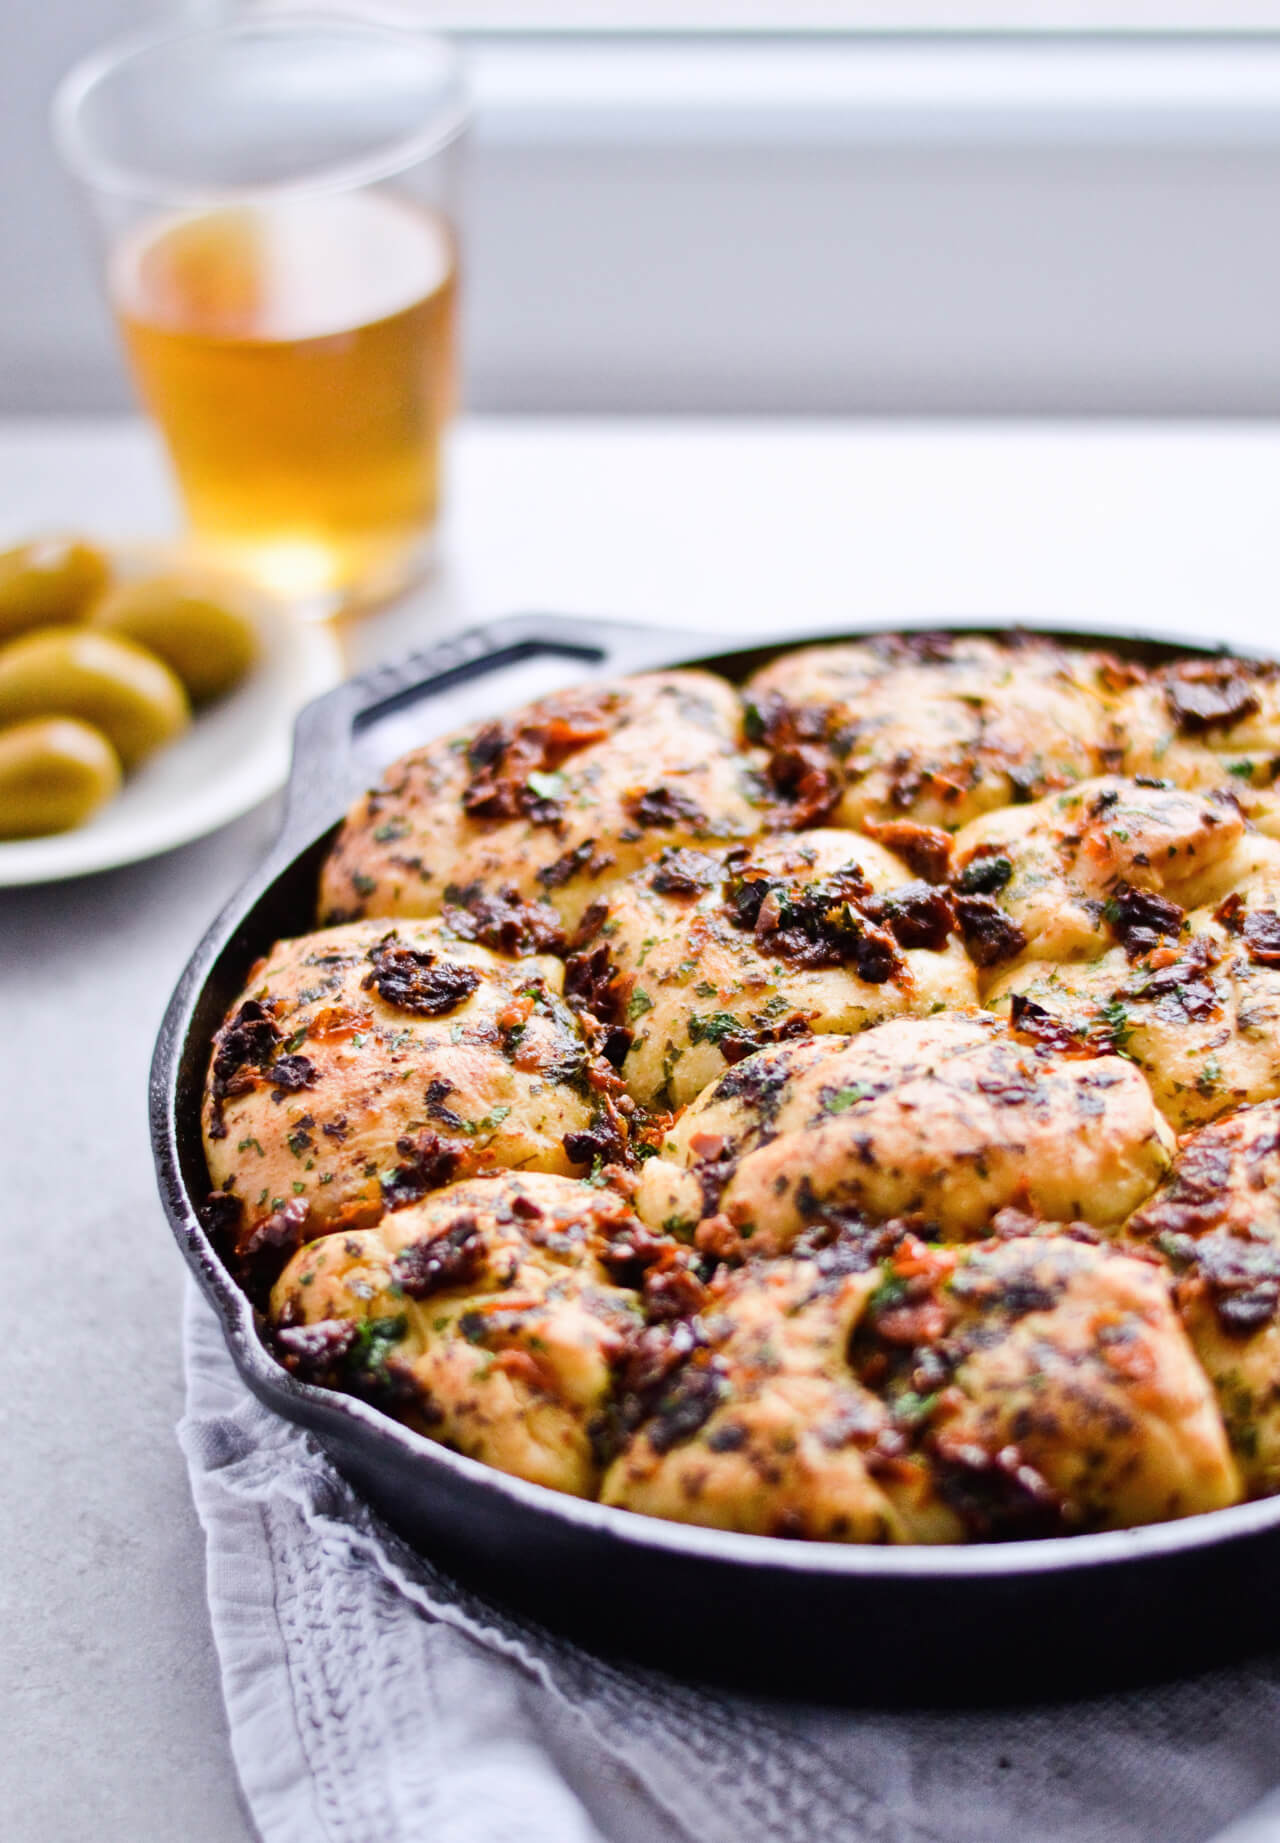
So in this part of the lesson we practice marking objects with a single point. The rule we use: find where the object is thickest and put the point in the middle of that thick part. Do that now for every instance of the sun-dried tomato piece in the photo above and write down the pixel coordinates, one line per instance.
(222, 1213)
(1141, 919)
(583, 858)
(247, 1041)
(511, 763)
(998, 1495)
(1032, 1020)
(604, 1142)
(427, 1162)
(736, 1045)
(1261, 932)
(503, 920)
(925, 850)
(262, 1254)
(416, 980)
(290, 1074)
(1207, 694)
(317, 1352)
(990, 935)
(660, 808)
(454, 1257)
(916, 914)
(592, 983)
(1183, 988)
(682, 871)
(828, 922)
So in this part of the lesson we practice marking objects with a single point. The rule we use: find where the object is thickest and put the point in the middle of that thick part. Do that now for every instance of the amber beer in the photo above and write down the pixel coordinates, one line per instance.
(299, 357)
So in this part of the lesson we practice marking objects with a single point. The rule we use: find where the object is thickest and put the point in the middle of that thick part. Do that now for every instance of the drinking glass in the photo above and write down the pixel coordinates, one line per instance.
(277, 201)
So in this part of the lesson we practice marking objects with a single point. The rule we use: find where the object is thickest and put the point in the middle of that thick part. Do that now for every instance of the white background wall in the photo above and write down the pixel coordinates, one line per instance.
(56, 346)
(791, 228)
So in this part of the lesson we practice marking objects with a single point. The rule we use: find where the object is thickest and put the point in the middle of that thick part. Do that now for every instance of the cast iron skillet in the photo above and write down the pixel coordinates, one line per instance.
(981, 1622)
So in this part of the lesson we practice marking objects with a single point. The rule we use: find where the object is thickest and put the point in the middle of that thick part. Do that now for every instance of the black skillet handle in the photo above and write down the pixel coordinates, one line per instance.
(325, 777)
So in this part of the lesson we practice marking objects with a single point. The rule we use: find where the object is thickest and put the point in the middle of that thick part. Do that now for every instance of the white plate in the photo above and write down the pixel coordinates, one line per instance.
(235, 754)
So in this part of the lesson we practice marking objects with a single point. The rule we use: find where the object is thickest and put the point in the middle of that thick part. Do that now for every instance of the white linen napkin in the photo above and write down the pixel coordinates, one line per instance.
(371, 1700)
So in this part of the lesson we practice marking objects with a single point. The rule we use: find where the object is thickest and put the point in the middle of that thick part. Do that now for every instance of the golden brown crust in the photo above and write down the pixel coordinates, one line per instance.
(1217, 1221)
(556, 802)
(946, 1120)
(1074, 1356)
(367, 1064)
(878, 994)
(1206, 723)
(1061, 872)
(1033, 1386)
(1196, 1015)
(483, 1314)
(711, 955)
(765, 1429)
(938, 728)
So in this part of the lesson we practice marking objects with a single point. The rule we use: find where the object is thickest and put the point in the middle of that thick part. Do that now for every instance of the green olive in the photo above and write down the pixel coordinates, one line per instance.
(121, 688)
(48, 581)
(55, 773)
(201, 624)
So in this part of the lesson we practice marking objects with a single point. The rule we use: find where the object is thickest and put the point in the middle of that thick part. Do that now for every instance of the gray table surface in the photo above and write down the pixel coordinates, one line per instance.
(109, 1697)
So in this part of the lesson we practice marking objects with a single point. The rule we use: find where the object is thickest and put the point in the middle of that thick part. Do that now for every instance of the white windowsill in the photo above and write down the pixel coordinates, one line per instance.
(906, 92)
(875, 224)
